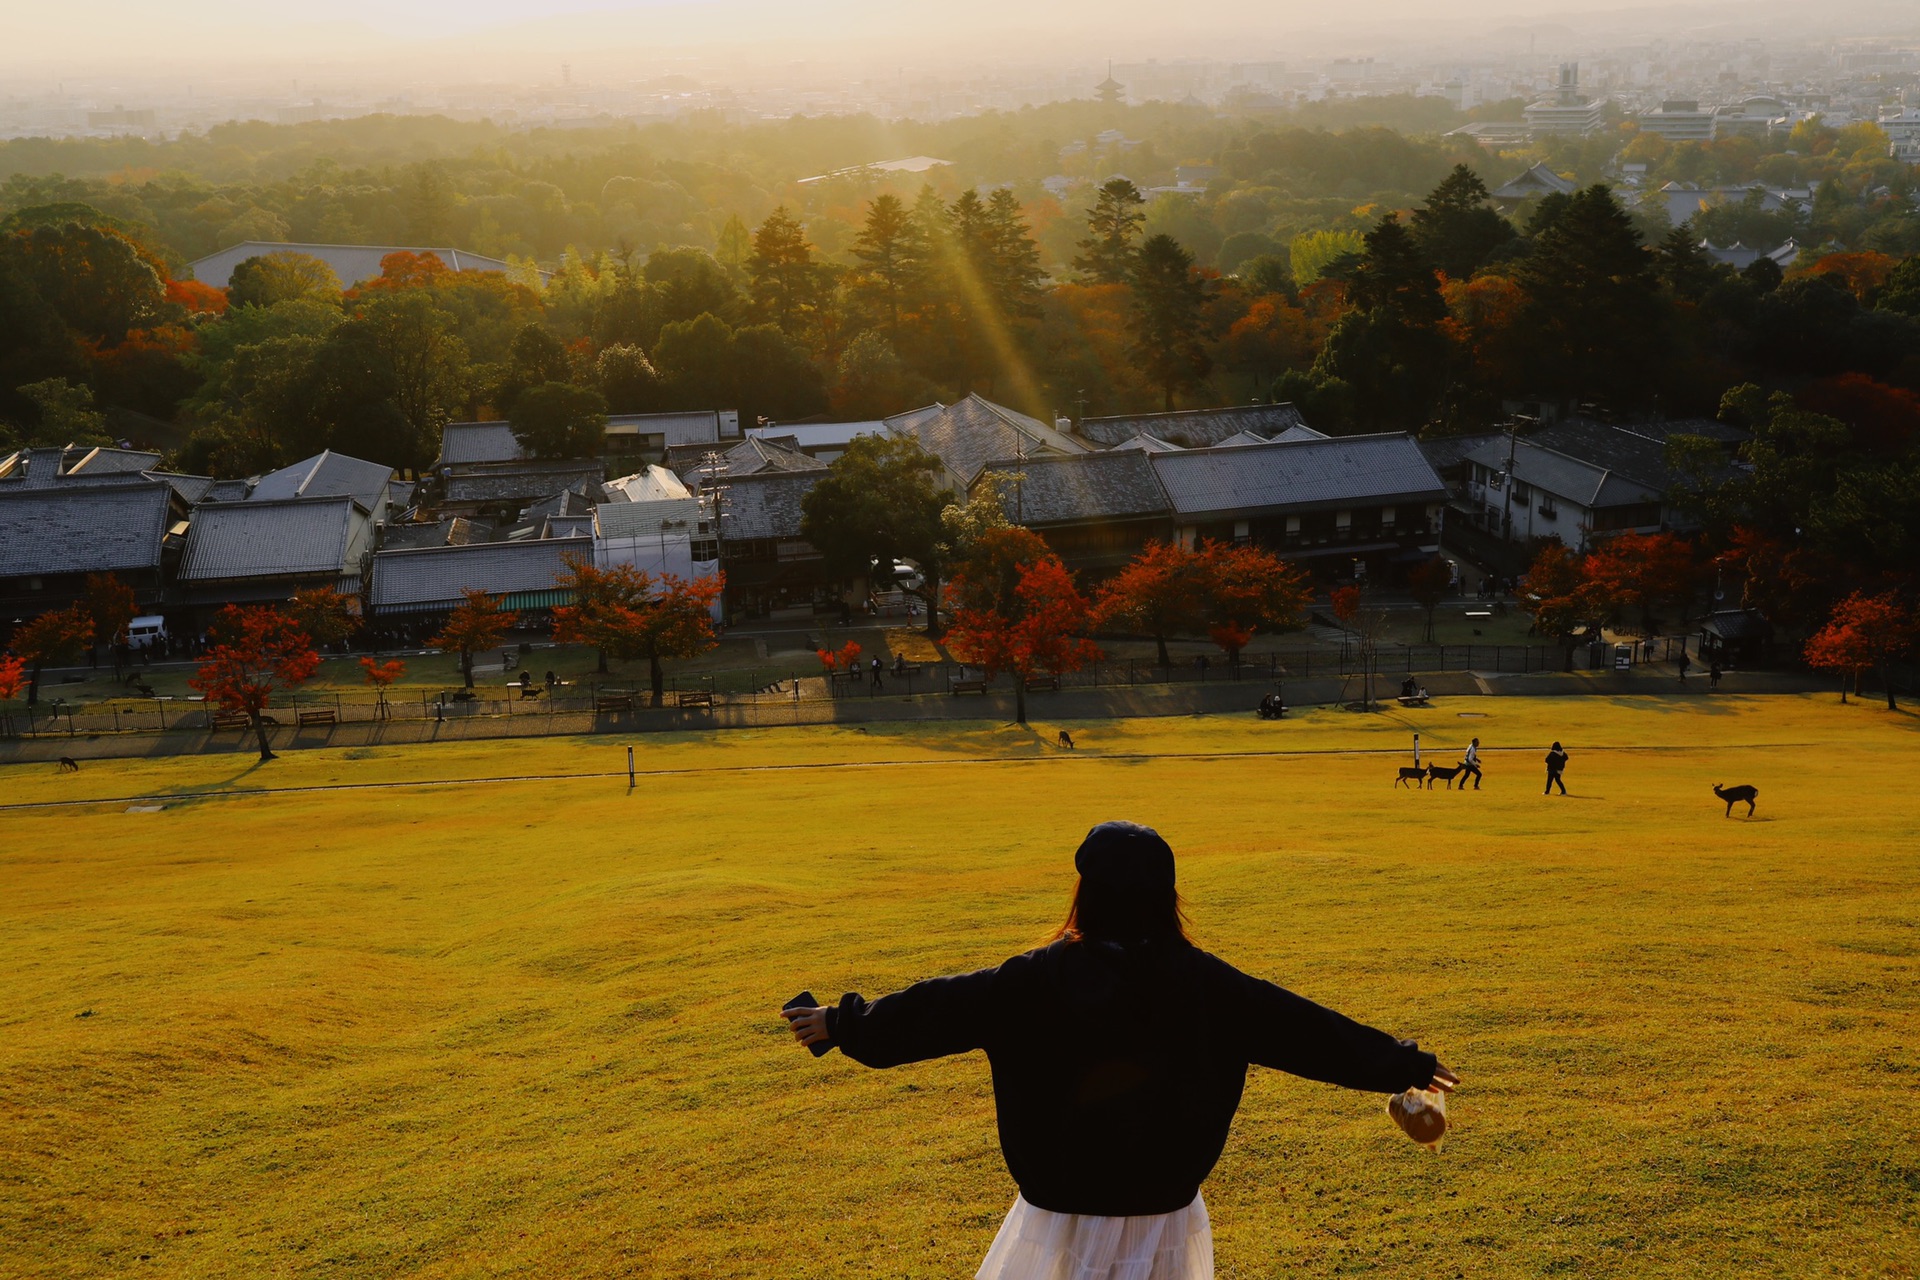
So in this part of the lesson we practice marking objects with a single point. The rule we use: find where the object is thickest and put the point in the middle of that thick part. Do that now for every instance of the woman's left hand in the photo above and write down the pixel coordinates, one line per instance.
(809, 1025)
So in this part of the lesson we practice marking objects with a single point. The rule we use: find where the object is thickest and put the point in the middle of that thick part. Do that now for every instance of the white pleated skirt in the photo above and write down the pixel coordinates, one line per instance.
(1038, 1244)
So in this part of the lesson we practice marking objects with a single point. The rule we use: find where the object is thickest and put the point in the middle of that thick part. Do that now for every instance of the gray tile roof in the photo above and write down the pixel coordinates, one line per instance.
(455, 531)
(228, 491)
(434, 577)
(1149, 444)
(1306, 474)
(468, 442)
(296, 537)
(1115, 485)
(103, 460)
(767, 505)
(695, 426)
(520, 482)
(974, 431)
(1448, 452)
(326, 475)
(1577, 480)
(1194, 428)
(93, 529)
(751, 457)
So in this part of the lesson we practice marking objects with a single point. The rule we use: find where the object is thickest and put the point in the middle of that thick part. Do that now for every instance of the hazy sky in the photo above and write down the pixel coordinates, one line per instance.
(444, 40)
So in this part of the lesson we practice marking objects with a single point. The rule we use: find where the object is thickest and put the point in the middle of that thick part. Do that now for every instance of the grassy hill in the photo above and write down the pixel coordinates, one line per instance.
(408, 1024)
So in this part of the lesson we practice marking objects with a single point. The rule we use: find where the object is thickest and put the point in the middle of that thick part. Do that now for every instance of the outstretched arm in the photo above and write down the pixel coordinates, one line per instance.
(928, 1020)
(1293, 1034)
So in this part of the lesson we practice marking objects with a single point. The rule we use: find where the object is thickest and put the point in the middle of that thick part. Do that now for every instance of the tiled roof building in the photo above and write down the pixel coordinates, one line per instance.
(521, 575)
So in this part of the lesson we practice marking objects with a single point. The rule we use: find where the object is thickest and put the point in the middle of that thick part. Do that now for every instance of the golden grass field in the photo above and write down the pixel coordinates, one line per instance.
(527, 1028)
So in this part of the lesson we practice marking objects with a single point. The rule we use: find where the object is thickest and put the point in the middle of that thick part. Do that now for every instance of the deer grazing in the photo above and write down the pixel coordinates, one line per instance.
(1435, 771)
(1735, 795)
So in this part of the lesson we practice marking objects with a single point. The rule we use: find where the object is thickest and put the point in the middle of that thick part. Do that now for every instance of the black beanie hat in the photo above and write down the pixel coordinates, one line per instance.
(1125, 853)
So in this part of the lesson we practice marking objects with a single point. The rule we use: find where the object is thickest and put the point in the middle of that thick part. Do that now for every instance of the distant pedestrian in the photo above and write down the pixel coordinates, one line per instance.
(1684, 664)
(1556, 765)
(1713, 676)
(877, 670)
(1472, 763)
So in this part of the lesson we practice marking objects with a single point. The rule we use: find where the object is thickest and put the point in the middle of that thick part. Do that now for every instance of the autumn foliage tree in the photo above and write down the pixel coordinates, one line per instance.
(1017, 610)
(257, 651)
(13, 675)
(845, 658)
(61, 635)
(1642, 576)
(110, 605)
(1349, 609)
(603, 604)
(635, 615)
(480, 623)
(1556, 597)
(1865, 632)
(1249, 590)
(380, 677)
(324, 614)
(1161, 593)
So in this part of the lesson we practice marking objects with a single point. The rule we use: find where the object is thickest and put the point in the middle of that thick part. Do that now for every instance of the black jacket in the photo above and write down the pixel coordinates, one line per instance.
(1117, 1070)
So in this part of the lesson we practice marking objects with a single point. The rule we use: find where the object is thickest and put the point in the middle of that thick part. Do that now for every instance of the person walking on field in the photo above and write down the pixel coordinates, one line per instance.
(1472, 762)
(1119, 1052)
(1556, 765)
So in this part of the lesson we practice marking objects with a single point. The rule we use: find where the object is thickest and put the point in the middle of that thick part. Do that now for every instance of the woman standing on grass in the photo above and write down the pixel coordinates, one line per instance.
(1118, 1055)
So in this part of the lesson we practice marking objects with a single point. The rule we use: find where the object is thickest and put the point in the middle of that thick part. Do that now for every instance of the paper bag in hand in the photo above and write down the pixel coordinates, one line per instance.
(1421, 1115)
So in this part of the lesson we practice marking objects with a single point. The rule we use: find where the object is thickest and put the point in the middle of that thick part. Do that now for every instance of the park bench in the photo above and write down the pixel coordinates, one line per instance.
(228, 720)
(612, 702)
(694, 698)
(1037, 683)
(967, 684)
(1415, 699)
(322, 716)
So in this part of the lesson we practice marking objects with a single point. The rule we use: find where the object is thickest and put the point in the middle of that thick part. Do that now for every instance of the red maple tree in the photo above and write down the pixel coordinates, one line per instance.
(1161, 592)
(478, 624)
(1248, 590)
(1646, 574)
(381, 675)
(326, 615)
(257, 651)
(13, 674)
(1556, 596)
(1018, 611)
(1866, 632)
(110, 605)
(61, 635)
(630, 614)
(845, 658)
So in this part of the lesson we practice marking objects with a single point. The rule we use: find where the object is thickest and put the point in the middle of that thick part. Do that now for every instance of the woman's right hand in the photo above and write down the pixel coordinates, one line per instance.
(1444, 1081)
(809, 1025)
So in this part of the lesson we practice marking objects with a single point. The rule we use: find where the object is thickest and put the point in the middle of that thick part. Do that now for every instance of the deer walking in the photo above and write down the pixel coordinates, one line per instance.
(1735, 795)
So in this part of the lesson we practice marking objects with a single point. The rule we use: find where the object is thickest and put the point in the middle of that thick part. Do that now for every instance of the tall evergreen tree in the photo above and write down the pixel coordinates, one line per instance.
(1106, 255)
(1167, 318)
(783, 279)
(892, 249)
(1455, 229)
(1390, 349)
(1684, 267)
(1592, 314)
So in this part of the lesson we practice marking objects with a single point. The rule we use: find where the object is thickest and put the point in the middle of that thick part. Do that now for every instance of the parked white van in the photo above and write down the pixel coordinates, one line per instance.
(150, 630)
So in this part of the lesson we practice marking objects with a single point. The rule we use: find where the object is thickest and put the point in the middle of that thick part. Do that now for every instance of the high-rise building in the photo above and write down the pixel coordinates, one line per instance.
(1568, 111)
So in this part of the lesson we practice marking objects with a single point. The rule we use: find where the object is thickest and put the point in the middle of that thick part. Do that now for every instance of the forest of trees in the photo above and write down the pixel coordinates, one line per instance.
(1363, 274)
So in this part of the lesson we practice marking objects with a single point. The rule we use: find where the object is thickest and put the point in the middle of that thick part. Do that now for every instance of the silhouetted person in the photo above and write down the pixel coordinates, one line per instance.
(1684, 664)
(1119, 1054)
(1556, 764)
(1713, 676)
(1472, 763)
(876, 669)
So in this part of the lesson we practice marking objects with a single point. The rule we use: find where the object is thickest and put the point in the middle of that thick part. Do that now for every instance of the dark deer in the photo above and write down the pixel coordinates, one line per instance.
(1435, 771)
(1416, 774)
(1734, 795)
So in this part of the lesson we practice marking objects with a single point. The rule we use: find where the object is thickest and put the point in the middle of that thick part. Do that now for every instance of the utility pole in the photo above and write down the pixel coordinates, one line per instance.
(1506, 530)
(713, 496)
